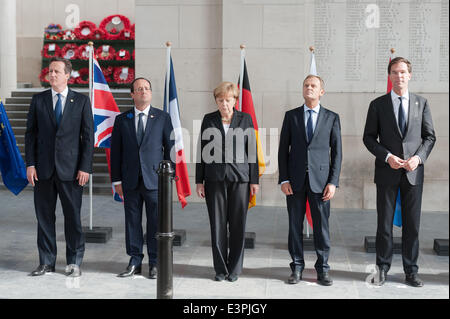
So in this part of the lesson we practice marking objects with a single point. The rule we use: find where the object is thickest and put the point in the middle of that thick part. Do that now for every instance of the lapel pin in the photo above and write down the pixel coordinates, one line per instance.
(71, 100)
(152, 116)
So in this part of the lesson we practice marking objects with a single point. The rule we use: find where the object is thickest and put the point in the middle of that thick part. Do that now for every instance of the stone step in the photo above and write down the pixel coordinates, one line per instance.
(21, 122)
(16, 107)
(16, 114)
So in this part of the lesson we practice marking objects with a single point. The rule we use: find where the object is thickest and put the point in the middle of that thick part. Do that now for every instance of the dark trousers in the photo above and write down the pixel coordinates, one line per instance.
(411, 199)
(133, 204)
(320, 213)
(227, 204)
(45, 196)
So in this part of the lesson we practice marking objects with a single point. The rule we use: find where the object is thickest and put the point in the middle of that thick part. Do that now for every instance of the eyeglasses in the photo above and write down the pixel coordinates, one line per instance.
(142, 89)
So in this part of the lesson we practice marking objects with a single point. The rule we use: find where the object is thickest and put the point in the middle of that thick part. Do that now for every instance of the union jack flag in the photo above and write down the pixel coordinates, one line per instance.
(105, 110)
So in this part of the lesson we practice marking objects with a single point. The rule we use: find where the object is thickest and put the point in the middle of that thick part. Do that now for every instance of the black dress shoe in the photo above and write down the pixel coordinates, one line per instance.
(131, 270)
(380, 278)
(413, 280)
(42, 269)
(153, 271)
(219, 277)
(232, 278)
(295, 277)
(324, 279)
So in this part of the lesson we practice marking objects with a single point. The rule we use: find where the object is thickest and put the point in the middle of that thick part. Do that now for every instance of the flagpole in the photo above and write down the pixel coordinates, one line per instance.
(91, 96)
(314, 72)
(241, 74)
(169, 46)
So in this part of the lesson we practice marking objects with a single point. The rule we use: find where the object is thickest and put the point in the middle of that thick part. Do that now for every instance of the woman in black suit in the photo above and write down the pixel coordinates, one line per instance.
(226, 176)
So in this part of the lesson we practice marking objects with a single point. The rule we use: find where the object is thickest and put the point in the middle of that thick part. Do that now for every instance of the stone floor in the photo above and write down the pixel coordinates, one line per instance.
(266, 267)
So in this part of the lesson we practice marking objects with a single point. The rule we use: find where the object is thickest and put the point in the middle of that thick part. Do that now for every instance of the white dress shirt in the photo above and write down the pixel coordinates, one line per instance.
(306, 115)
(226, 127)
(136, 121)
(144, 118)
(396, 104)
(315, 114)
(63, 98)
(405, 106)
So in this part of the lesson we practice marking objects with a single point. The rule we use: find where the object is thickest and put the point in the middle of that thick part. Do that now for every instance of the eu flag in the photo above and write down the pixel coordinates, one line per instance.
(12, 166)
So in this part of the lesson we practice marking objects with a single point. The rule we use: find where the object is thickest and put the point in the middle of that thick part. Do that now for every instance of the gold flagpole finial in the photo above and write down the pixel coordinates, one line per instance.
(242, 46)
(311, 48)
(168, 44)
(392, 50)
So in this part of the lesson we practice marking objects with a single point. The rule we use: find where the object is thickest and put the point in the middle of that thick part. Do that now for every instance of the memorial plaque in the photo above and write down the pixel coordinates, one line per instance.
(353, 38)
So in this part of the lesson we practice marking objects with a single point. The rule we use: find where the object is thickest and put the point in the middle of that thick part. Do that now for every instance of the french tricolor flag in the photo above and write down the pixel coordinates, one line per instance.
(182, 181)
(105, 110)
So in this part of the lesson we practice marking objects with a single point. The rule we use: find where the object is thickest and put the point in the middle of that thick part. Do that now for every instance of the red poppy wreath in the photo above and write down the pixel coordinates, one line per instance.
(83, 52)
(85, 30)
(122, 55)
(105, 52)
(84, 76)
(50, 50)
(69, 51)
(123, 75)
(107, 72)
(43, 77)
(113, 25)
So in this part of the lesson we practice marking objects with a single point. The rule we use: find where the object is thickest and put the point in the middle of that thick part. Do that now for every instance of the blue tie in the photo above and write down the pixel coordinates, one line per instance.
(309, 126)
(401, 118)
(58, 109)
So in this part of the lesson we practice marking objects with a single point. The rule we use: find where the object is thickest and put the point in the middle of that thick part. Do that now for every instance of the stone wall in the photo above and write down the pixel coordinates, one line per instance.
(206, 35)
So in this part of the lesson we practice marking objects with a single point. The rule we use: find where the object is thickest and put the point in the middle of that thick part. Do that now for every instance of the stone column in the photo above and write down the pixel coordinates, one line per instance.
(8, 58)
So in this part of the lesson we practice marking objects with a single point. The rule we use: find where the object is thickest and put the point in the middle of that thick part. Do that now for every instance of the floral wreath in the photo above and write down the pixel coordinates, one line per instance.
(133, 55)
(126, 34)
(108, 26)
(84, 76)
(107, 72)
(53, 32)
(122, 55)
(85, 30)
(45, 52)
(118, 72)
(82, 53)
(73, 77)
(102, 55)
(68, 35)
(43, 75)
(69, 51)
(98, 34)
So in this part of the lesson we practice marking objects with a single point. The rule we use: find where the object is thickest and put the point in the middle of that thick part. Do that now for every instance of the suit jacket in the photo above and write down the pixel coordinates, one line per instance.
(233, 157)
(382, 135)
(67, 149)
(322, 156)
(127, 157)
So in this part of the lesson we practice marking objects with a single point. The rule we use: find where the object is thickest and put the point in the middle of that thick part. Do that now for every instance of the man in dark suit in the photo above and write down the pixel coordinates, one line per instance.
(399, 132)
(140, 141)
(59, 144)
(309, 162)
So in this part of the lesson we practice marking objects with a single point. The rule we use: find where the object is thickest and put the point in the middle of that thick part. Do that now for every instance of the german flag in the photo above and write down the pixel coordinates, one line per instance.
(247, 107)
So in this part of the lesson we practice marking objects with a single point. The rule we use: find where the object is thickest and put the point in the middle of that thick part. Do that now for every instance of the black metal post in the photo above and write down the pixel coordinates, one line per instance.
(165, 234)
